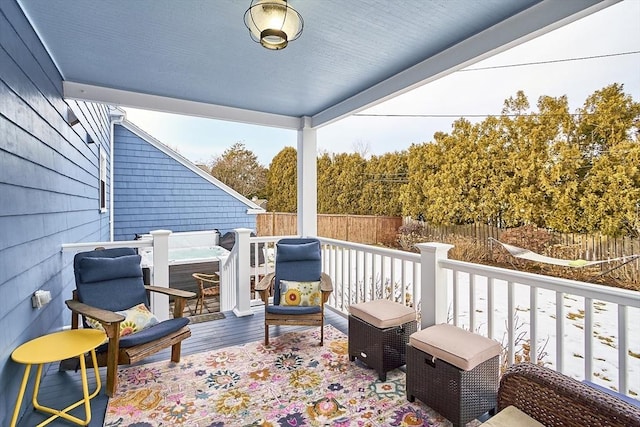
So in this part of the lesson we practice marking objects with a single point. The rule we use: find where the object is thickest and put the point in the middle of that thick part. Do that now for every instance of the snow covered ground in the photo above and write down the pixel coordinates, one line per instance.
(605, 330)
(375, 270)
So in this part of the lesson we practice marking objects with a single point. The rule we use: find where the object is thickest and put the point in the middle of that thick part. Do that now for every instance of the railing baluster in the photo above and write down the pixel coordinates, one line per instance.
(365, 279)
(383, 278)
(379, 285)
(416, 281)
(359, 288)
(349, 278)
(622, 349)
(334, 273)
(559, 331)
(355, 266)
(511, 332)
(403, 274)
(394, 284)
(345, 277)
(490, 307)
(392, 273)
(334, 268)
(588, 339)
(533, 331)
(472, 302)
(362, 263)
(455, 298)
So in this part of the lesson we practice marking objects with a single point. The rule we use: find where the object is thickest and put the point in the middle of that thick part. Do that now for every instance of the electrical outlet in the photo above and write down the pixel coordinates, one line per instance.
(40, 298)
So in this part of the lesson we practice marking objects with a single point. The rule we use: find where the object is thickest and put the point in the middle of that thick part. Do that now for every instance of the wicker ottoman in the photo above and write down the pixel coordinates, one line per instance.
(378, 334)
(453, 371)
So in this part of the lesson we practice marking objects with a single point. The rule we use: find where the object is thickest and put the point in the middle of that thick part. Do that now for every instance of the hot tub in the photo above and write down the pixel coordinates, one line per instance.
(189, 252)
(196, 255)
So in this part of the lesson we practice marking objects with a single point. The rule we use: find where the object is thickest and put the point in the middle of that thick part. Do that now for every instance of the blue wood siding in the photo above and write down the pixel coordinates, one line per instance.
(48, 191)
(153, 191)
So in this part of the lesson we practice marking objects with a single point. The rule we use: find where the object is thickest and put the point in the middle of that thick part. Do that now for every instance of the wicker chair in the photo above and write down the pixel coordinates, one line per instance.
(554, 399)
(208, 286)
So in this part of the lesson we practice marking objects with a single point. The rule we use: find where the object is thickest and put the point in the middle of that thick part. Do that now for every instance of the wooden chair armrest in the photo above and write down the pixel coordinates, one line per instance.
(266, 282)
(326, 284)
(264, 287)
(208, 278)
(102, 316)
(179, 293)
(180, 297)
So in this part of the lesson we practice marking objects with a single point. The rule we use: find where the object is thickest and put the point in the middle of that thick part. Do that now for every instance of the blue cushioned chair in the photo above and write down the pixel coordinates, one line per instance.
(297, 260)
(110, 280)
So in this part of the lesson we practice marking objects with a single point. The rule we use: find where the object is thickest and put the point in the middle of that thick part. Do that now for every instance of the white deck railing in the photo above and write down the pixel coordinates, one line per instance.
(580, 329)
(363, 273)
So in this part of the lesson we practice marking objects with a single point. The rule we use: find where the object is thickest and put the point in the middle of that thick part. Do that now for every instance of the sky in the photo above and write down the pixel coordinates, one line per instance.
(609, 33)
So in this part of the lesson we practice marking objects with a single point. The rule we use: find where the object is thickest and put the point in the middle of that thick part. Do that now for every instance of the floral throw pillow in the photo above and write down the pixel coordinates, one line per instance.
(303, 294)
(136, 319)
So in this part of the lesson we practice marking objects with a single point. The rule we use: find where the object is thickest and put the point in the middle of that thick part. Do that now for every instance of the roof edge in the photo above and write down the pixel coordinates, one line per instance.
(125, 98)
(530, 23)
(252, 207)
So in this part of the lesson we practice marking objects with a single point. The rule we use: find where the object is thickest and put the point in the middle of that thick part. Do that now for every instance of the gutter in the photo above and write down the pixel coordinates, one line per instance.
(116, 116)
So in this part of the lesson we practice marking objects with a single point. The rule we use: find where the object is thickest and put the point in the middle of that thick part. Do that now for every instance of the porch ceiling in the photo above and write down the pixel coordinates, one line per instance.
(196, 57)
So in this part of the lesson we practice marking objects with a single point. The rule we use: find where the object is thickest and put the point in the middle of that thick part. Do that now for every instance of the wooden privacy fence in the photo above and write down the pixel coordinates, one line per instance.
(384, 230)
(590, 247)
(586, 246)
(479, 232)
(371, 230)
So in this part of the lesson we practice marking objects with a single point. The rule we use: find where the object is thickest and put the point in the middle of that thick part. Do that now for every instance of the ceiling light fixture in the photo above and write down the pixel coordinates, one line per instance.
(273, 23)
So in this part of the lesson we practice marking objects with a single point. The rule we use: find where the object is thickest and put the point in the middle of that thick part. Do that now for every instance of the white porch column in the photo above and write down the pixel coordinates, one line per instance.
(160, 303)
(433, 289)
(307, 179)
(243, 280)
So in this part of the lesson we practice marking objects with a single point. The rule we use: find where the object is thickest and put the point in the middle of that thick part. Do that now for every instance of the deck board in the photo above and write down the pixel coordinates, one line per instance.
(59, 389)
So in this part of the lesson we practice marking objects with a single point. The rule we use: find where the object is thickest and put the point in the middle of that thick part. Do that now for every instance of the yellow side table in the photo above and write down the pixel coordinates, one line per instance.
(52, 348)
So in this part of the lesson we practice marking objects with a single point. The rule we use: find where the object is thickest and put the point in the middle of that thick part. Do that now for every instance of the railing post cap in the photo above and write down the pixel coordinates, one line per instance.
(243, 230)
(160, 232)
(433, 247)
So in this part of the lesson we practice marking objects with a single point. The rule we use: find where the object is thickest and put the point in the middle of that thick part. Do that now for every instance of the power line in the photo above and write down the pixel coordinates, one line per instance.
(552, 61)
(472, 115)
(449, 116)
(422, 115)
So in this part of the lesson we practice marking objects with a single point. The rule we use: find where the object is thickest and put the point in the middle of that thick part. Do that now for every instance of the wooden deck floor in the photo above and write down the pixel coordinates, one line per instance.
(60, 389)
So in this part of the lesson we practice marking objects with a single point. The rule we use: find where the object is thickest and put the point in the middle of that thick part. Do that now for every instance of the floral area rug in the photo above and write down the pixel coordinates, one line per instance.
(292, 382)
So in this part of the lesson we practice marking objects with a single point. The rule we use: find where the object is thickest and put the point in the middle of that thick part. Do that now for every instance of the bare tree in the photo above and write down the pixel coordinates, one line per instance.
(362, 147)
(238, 167)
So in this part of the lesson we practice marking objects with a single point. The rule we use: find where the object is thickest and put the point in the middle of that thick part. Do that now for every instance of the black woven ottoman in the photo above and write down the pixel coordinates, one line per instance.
(378, 334)
(454, 372)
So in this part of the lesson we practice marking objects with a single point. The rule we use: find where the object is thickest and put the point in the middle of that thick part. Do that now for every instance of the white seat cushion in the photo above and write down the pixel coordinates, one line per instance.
(511, 417)
(383, 313)
(454, 345)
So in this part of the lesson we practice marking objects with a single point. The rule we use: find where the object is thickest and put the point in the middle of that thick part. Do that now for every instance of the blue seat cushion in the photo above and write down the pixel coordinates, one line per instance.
(297, 260)
(110, 279)
(150, 334)
(283, 309)
(98, 269)
(620, 396)
(309, 251)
